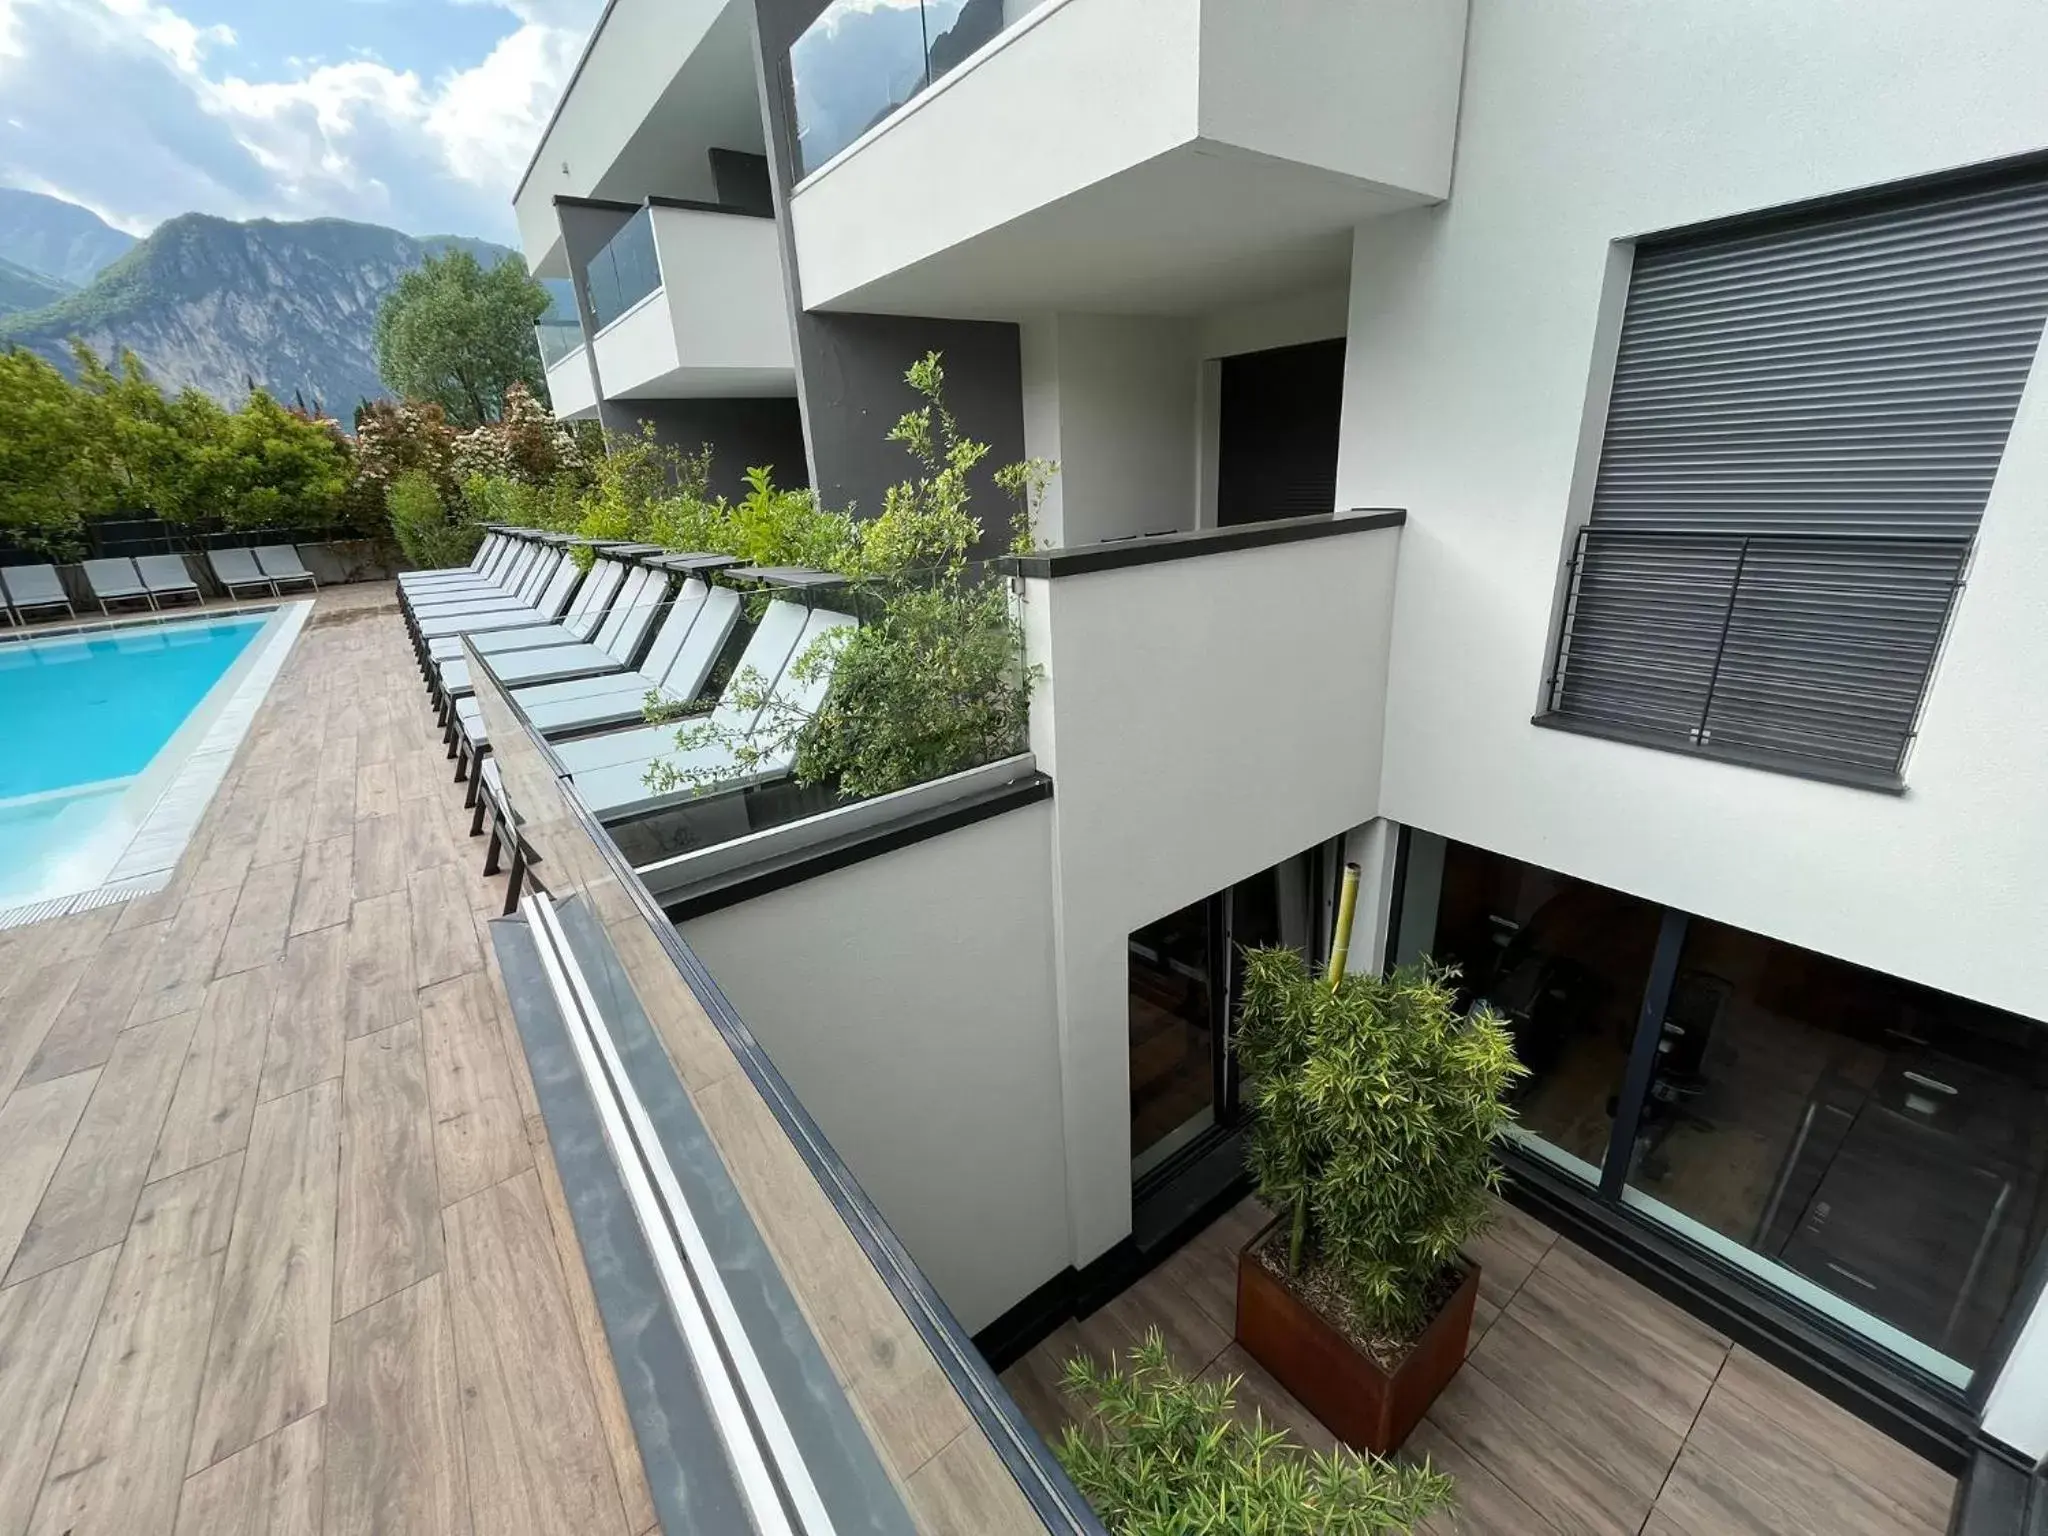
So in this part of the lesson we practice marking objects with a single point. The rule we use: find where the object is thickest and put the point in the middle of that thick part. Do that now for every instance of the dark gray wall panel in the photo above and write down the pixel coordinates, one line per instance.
(850, 367)
(742, 434)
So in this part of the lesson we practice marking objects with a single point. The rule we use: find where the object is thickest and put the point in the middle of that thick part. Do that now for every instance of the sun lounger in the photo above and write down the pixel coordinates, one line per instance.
(619, 640)
(493, 547)
(114, 580)
(610, 771)
(166, 576)
(281, 563)
(33, 588)
(556, 568)
(678, 665)
(443, 636)
(236, 569)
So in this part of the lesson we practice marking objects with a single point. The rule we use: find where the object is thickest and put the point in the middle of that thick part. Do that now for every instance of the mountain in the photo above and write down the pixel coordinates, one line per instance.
(213, 304)
(56, 238)
(22, 289)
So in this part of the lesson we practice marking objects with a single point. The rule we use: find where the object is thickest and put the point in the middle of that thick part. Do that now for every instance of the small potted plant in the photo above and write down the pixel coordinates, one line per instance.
(1375, 1104)
(1159, 1454)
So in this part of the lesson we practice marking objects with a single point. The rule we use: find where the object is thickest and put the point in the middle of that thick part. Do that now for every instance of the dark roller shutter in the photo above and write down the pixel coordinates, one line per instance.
(1806, 419)
(1277, 426)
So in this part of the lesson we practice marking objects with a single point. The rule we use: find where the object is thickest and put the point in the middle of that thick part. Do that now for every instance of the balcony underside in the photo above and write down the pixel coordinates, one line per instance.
(1200, 226)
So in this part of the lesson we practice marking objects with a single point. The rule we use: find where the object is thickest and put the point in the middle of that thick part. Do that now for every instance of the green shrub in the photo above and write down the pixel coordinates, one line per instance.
(1162, 1455)
(431, 532)
(1374, 1110)
(935, 682)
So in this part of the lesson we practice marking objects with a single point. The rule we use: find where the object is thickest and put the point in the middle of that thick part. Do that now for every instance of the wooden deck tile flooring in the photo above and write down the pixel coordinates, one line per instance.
(1586, 1404)
(281, 1247)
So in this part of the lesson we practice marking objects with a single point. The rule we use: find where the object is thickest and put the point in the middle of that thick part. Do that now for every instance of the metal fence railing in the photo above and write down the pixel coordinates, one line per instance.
(1810, 651)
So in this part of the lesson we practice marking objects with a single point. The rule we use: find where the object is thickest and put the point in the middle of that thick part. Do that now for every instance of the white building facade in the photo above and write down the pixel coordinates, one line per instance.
(1676, 669)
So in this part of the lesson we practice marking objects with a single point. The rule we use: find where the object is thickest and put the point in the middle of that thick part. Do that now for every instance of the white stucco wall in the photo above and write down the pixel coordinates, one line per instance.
(1127, 406)
(909, 1001)
(1472, 340)
(1202, 719)
(722, 274)
(1368, 87)
(570, 393)
(1079, 93)
(717, 326)
(1112, 400)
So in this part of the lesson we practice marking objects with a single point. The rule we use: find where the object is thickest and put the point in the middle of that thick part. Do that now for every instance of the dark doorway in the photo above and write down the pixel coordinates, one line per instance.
(1186, 1134)
(1276, 448)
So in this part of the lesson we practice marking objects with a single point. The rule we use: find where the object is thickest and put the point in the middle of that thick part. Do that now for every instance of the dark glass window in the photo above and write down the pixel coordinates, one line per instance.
(1875, 1149)
(1883, 1141)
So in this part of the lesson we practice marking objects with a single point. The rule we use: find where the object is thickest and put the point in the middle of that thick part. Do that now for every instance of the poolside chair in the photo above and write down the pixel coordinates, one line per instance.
(678, 664)
(493, 546)
(166, 576)
(499, 572)
(610, 771)
(281, 563)
(237, 568)
(114, 580)
(619, 640)
(496, 632)
(525, 580)
(515, 592)
(33, 587)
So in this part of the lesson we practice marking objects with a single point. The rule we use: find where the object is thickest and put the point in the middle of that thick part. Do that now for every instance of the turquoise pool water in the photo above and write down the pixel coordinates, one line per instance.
(80, 718)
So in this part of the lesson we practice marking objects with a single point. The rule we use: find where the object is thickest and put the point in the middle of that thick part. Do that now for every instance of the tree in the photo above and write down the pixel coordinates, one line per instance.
(269, 467)
(44, 489)
(460, 335)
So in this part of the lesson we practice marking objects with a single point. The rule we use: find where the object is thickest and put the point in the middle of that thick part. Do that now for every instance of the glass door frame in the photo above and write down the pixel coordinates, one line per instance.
(1607, 1194)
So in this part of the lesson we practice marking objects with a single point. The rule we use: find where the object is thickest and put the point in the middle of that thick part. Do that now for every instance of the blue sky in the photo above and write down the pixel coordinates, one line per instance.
(415, 113)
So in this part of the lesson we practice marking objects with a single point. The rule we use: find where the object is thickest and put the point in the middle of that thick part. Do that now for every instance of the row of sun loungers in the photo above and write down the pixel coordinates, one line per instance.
(580, 652)
(152, 581)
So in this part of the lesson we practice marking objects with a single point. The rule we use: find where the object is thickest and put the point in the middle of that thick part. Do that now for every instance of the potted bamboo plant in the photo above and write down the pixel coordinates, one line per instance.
(1375, 1105)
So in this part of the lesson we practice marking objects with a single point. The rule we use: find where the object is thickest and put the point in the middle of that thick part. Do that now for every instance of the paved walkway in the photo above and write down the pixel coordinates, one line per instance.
(281, 1247)
(1586, 1404)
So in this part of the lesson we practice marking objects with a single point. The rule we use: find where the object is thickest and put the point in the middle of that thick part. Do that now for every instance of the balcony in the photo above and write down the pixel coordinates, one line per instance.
(1201, 151)
(568, 369)
(688, 300)
(660, 82)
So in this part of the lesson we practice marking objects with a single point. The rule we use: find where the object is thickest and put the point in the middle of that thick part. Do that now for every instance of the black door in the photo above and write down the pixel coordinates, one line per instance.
(1276, 450)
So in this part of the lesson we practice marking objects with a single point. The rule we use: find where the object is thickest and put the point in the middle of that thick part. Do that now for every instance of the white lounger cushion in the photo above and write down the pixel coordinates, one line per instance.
(585, 614)
(677, 667)
(620, 786)
(165, 573)
(114, 577)
(767, 653)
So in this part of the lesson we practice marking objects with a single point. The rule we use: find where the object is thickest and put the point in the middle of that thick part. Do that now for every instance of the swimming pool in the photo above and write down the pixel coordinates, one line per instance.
(96, 728)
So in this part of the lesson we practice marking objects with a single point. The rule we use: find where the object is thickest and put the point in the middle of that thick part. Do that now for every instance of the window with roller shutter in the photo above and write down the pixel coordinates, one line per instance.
(1807, 414)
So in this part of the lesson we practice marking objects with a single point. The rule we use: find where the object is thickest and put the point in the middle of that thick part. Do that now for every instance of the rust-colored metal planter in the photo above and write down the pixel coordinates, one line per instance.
(1364, 1406)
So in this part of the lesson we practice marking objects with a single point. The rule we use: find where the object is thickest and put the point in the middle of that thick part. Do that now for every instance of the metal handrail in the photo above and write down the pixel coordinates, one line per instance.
(1733, 570)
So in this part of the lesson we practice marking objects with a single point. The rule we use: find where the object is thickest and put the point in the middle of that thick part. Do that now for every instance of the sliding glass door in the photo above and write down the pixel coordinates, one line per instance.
(1184, 997)
(1872, 1149)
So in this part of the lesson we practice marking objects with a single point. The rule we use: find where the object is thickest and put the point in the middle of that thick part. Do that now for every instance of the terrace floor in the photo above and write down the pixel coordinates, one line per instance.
(281, 1244)
(1586, 1404)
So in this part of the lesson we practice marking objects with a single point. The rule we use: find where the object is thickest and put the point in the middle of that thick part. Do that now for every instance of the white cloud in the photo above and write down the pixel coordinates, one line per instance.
(132, 108)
